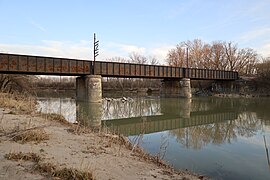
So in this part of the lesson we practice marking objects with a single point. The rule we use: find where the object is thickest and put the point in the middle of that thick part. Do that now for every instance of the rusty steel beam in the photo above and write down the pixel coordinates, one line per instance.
(38, 65)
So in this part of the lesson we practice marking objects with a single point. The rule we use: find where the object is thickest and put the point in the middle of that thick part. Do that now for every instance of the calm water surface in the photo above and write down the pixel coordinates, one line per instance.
(218, 137)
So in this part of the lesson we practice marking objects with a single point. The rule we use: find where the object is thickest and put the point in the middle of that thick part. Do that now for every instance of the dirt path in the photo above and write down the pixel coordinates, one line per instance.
(61, 147)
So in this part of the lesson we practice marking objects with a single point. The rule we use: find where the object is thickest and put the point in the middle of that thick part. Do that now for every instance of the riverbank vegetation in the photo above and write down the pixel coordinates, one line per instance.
(263, 72)
(12, 83)
(20, 102)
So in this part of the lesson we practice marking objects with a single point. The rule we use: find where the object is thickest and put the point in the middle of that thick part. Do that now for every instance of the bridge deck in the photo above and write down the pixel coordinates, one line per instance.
(38, 65)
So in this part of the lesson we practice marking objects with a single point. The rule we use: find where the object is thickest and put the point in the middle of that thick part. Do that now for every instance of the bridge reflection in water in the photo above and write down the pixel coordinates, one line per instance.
(145, 116)
(224, 138)
(89, 114)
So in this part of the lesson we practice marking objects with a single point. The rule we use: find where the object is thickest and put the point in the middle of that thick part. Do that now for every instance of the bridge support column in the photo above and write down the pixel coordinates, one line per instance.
(173, 88)
(89, 88)
(185, 88)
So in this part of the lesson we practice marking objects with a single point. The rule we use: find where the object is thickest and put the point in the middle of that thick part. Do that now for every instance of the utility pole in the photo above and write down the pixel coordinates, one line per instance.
(96, 53)
(187, 57)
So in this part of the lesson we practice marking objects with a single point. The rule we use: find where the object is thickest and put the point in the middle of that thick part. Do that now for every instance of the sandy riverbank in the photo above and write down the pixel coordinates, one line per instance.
(36, 146)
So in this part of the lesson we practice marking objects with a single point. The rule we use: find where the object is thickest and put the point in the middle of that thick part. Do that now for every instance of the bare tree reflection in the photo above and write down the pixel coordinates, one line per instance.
(63, 106)
(127, 108)
(246, 124)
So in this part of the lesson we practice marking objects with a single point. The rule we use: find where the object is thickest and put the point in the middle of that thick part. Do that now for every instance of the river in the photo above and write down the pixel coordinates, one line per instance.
(223, 138)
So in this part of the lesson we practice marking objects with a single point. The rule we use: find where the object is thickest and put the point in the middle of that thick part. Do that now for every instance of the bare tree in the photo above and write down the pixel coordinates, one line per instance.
(218, 55)
(241, 60)
(177, 57)
(218, 59)
(118, 59)
(195, 53)
(263, 69)
(13, 83)
(153, 60)
(137, 58)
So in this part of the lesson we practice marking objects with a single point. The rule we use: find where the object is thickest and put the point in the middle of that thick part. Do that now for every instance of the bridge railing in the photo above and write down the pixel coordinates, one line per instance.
(137, 70)
(114, 69)
(195, 73)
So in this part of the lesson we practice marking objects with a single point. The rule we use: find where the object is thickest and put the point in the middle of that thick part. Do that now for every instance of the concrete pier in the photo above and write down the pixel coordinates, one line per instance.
(185, 88)
(174, 88)
(89, 88)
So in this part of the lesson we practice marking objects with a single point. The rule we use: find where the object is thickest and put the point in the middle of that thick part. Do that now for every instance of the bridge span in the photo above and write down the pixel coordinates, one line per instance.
(41, 65)
(90, 73)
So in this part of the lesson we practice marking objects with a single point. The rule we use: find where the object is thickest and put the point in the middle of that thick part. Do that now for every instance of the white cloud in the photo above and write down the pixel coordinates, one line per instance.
(160, 52)
(125, 49)
(49, 48)
(264, 50)
(258, 33)
(84, 50)
(179, 9)
(38, 26)
(131, 48)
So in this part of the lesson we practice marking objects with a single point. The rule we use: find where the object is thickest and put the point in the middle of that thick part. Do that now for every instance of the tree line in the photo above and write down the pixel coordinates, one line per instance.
(218, 55)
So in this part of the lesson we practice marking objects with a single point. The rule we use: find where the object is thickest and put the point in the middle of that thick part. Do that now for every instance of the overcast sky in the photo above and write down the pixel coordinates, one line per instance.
(65, 28)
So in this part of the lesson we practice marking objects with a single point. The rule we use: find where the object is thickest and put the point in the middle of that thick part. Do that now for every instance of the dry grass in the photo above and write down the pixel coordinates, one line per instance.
(74, 128)
(18, 102)
(23, 156)
(135, 150)
(63, 173)
(35, 135)
(49, 169)
(56, 117)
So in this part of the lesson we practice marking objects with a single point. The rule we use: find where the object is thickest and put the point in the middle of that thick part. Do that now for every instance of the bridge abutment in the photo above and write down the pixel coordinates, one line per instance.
(89, 88)
(175, 88)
